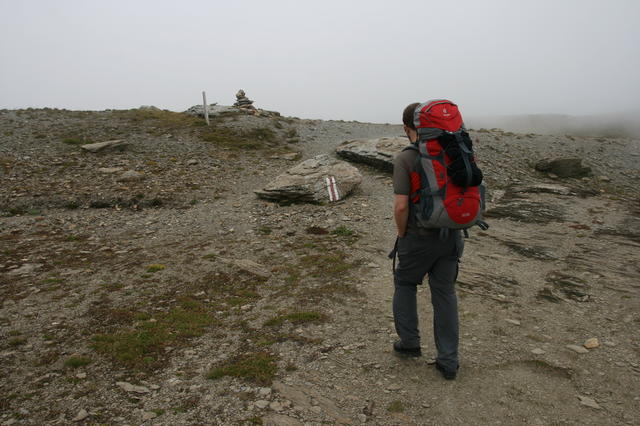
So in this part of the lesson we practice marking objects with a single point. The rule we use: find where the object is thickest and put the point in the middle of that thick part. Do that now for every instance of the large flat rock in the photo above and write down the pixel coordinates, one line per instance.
(378, 152)
(307, 181)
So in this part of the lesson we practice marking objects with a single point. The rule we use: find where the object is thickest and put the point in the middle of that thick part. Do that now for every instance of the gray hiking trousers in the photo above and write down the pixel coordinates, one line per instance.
(438, 258)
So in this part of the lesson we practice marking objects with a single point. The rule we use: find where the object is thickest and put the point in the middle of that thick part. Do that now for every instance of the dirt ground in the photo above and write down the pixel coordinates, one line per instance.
(151, 286)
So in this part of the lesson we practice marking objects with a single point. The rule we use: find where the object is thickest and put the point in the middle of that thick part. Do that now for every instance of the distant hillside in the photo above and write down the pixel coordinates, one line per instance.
(627, 125)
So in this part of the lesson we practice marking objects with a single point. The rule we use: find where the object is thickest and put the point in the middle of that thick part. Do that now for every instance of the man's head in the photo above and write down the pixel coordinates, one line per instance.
(407, 119)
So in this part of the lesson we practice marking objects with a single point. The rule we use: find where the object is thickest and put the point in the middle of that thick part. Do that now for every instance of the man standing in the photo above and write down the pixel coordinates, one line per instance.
(421, 252)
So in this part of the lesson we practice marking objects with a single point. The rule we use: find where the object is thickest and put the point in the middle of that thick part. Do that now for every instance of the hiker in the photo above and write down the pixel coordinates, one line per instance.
(426, 251)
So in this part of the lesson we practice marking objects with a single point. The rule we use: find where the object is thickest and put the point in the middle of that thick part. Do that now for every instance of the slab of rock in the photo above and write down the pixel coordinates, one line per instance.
(261, 403)
(541, 188)
(247, 266)
(128, 387)
(130, 176)
(589, 402)
(212, 109)
(528, 211)
(378, 152)
(308, 181)
(578, 349)
(25, 269)
(104, 146)
(110, 170)
(563, 167)
(82, 414)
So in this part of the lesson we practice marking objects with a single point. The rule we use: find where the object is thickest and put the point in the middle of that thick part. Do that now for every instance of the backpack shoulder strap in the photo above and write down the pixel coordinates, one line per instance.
(411, 147)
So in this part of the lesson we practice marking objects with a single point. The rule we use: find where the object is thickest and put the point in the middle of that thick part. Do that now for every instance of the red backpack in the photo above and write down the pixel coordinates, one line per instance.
(446, 185)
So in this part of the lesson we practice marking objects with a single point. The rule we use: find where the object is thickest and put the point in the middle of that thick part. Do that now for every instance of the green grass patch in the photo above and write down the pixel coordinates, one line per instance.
(343, 231)
(141, 347)
(264, 230)
(327, 264)
(162, 119)
(301, 317)
(17, 341)
(75, 140)
(155, 268)
(252, 139)
(395, 407)
(259, 368)
(77, 361)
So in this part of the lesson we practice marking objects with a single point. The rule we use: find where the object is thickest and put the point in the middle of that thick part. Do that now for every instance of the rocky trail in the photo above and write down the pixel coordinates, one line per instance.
(150, 285)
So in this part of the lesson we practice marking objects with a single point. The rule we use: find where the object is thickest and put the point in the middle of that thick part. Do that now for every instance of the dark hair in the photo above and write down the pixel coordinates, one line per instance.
(407, 115)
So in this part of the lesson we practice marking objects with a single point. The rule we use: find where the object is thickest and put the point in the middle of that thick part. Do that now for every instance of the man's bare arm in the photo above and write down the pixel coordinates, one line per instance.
(401, 213)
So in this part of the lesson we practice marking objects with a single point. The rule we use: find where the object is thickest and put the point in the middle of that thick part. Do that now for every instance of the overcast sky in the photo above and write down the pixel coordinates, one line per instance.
(352, 60)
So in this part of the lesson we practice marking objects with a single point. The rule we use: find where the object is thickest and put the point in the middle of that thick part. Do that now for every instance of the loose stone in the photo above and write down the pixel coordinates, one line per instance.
(577, 349)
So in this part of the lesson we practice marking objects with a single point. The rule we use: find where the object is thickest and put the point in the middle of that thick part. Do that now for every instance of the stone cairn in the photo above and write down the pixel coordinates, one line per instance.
(242, 101)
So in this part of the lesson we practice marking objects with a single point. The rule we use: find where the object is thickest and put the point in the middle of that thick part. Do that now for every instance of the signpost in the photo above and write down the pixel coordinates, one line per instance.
(206, 110)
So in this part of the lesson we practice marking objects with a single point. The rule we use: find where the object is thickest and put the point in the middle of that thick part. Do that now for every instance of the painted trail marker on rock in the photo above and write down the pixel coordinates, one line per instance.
(332, 189)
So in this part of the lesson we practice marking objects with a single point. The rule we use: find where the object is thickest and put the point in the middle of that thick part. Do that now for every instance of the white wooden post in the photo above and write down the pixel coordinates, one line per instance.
(206, 109)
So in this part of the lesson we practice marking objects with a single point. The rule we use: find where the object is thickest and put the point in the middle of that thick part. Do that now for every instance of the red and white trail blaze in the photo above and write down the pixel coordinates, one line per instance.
(332, 189)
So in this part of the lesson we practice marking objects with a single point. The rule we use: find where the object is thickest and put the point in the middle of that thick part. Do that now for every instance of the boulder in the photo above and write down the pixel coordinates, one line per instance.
(563, 167)
(213, 109)
(310, 181)
(378, 153)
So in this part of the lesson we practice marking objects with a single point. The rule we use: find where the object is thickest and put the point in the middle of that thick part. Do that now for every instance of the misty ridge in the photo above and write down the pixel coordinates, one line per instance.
(606, 125)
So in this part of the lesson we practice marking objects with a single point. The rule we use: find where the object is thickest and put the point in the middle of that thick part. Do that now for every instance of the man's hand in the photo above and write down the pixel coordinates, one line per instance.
(401, 213)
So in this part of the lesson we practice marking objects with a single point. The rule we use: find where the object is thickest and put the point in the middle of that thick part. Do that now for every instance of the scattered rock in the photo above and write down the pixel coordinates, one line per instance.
(591, 343)
(82, 414)
(531, 250)
(394, 387)
(25, 269)
(563, 167)
(589, 402)
(280, 420)
(547, 293)
(275, 406)
(264, 391)
(110, 170)
(578, 349)
(573, 287)
(247, 266)
(286, 156)
(538, 351)
(378, 153)
(308, 181)
(128, 387)
(512, 321)
(118, 144)
(130, 176)
(148, 415)
(262, 404)
(192, 162)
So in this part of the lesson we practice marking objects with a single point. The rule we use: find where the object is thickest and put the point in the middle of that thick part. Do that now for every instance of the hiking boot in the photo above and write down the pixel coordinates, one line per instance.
(447, 374)
(400, 349)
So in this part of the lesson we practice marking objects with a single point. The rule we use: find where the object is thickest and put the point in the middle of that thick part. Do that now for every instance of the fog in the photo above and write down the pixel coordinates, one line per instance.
(351, 60)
